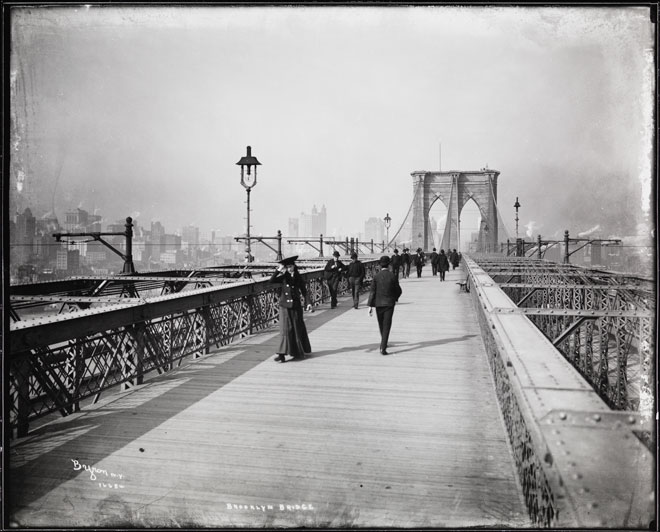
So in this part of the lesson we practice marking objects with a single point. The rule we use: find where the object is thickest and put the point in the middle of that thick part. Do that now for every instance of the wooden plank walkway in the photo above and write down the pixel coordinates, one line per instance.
(346, 438)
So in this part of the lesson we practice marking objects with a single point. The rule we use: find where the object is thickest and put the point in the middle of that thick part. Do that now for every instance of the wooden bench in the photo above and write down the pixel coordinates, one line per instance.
(464, 285)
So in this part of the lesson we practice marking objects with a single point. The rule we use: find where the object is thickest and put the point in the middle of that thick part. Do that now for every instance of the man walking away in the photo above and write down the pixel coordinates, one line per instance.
(332, 274)
(405, 263)
(385, 292)
(420, 260)
(396, 263)
(355, 274)
(434, 262)
(443, 264)
(453, 258)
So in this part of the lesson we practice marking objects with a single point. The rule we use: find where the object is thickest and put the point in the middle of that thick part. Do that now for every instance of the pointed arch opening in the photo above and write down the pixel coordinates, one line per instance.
(438, 214)
(470, 225)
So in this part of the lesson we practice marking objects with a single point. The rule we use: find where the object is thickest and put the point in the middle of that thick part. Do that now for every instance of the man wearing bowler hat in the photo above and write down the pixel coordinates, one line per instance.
(332, 274)
(355, 273)
(385, 292)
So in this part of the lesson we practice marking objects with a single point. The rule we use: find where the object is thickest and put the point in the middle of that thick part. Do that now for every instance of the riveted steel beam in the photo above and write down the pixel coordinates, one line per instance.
(552, 273)
(74, 299)
(574, 312)
(575, 286)
(598, 419)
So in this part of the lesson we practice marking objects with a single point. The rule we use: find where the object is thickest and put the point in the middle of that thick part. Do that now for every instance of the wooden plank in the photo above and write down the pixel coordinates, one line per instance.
(345, 438)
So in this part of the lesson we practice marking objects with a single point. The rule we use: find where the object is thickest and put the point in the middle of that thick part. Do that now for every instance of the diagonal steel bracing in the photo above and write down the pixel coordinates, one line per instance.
(598, 320)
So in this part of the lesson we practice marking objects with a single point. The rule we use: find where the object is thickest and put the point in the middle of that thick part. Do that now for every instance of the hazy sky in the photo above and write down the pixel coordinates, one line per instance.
(147, 110)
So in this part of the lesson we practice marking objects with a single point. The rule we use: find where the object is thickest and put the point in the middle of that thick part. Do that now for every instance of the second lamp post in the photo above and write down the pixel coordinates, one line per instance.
(248, 166)
(388, 221)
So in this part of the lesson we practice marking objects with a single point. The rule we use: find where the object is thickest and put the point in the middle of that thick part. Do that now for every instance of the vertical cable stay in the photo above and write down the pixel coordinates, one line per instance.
(446, 235)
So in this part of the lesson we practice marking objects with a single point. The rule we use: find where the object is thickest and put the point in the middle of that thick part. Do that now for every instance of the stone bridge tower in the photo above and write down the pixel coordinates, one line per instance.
(454, 189)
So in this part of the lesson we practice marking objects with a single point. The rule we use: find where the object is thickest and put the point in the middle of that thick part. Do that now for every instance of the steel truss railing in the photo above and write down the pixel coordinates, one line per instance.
(601, 322)
(581, 463)
(57, 362)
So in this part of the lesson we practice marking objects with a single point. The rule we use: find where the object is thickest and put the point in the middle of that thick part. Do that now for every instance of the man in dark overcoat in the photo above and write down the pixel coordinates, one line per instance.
(405, 262)
(396, 263)
(332, 275)
(385, 292)
(420, 260)
(453, 258)
(355, 273)
(434, 262)
(443, 264)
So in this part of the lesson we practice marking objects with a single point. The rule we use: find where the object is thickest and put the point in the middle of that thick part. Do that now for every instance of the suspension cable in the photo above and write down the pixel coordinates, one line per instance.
(405, 220)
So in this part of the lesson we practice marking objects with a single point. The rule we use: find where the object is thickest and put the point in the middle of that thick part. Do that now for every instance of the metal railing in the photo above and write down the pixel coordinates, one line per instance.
(57, 362)
(603, 323)
(580, 462)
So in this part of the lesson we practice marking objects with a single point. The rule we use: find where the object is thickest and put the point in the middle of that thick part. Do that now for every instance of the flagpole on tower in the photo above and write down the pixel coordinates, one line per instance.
(440, 157)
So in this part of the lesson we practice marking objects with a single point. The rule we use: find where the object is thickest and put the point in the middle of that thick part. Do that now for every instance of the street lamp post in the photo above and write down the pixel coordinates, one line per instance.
(517, 206)
(248, 166)
(388, 221)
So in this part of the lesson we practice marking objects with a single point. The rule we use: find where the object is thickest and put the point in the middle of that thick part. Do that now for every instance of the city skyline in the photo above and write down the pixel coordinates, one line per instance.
(145, 111)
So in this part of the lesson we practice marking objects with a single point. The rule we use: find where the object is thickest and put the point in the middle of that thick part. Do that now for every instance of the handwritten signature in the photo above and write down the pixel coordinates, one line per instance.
(93, 471)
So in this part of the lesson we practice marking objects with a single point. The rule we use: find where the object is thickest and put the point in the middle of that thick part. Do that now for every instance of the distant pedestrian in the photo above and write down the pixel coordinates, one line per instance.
(434, 262)
(384, 294)
(396, 263)
(420, 261)
(405, 262)
(454, 259)
(443, 264)
(355, 273)
(460, 256)
(294, 340)
(332, 275)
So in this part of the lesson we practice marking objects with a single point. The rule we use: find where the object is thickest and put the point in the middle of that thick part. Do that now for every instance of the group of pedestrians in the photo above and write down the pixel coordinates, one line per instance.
(354, 272)
(440, 262)
(384, 293)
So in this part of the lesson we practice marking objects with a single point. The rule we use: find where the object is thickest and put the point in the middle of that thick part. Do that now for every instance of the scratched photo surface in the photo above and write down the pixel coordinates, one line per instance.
(163, 160)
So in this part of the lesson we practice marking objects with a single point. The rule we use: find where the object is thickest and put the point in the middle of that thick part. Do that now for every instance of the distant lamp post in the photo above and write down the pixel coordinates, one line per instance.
(517, 206)
(248, 166)
(388, 221)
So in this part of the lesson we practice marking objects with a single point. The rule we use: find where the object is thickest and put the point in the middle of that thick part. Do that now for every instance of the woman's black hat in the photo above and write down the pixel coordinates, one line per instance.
(289, 260)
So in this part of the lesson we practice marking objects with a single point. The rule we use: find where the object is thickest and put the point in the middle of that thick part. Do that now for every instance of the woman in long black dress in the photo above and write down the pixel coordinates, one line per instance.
(293, 333)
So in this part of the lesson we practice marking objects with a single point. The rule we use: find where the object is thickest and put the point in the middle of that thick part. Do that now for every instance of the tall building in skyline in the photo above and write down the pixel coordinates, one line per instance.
(23, 240)
(79, 220)
(313, 224)
(190, 236)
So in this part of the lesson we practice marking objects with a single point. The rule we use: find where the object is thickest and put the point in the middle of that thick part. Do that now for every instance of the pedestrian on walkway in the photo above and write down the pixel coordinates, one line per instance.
(332, 275)
(420, 261)
(355, 273)
(434, 262)
(385, 292)
(453, 258)
(405, 262)
(396, 263)
(443, 264)
(294, 340)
